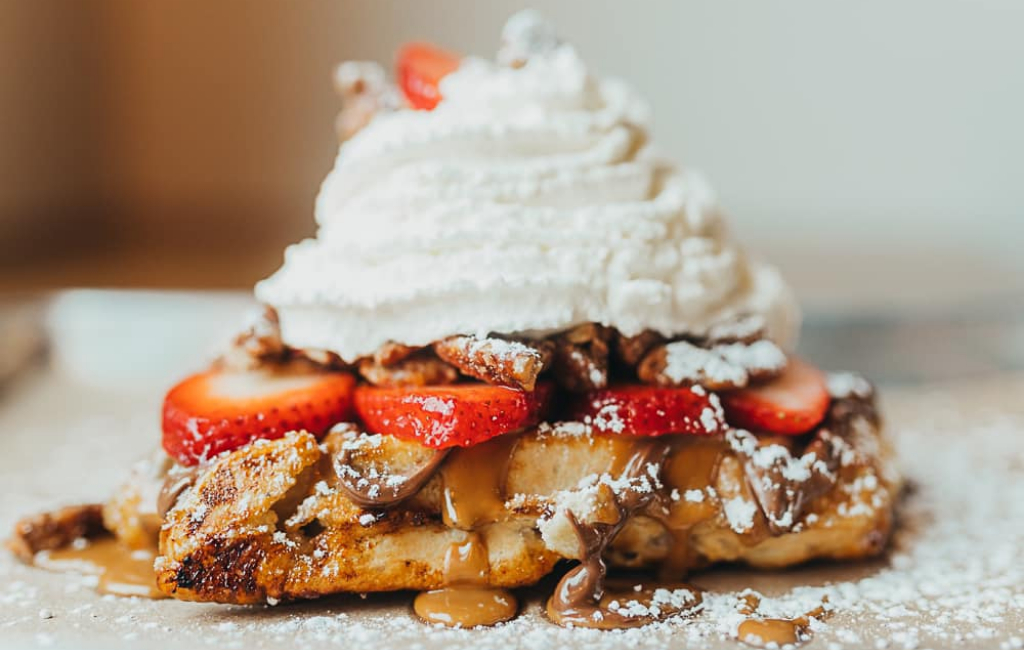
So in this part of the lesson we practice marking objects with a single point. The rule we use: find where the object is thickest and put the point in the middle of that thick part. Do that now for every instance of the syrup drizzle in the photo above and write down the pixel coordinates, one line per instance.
(122, 571)
(776, 632)
(473, 492)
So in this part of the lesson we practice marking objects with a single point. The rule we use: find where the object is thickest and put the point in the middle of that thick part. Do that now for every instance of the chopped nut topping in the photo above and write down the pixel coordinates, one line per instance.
(632, 349)
(391, 353)
(419, 370)
(721, 367)
(497, 361)
(258, 343)
(684, 364)
(580, 362)
(364, 92)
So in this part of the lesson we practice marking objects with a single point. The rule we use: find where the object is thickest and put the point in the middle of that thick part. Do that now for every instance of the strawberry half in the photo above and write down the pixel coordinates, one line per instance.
(793, 403)
(221, 410)
(420, 68)
(460, 415)
(641, 410)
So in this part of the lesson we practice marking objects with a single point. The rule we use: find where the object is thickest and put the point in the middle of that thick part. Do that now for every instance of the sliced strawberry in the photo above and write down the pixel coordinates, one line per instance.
(794, 402)
(220, 410)
(641, 410)
(420, 68)
(448, 416)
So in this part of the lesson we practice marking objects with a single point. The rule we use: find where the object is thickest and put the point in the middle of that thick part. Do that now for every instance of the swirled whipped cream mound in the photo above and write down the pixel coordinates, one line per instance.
(528, 201)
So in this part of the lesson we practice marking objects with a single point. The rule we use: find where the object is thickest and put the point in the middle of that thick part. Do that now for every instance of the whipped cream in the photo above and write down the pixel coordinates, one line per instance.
(528, 201)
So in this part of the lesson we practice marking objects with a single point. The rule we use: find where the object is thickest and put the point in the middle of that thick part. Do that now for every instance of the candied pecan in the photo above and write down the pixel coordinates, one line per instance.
(684, 364)
(259, 342)
(52, 530)
(419, 370)
(364, 92)
(391, 353)
(761, 359)
(632, 349)
(497, 361)
(733, 365)
(580, 361)
(324, 358)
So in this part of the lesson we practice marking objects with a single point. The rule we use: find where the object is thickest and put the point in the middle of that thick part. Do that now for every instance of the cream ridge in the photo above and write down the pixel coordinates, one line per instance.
(528, 201)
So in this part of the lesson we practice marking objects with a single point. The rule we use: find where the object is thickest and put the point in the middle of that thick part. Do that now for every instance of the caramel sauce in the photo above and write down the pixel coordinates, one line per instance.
(775, 632)
(692, 467)
(474, 483)
(122, 571)
(466, 606)
(466, 600)
(762, 632)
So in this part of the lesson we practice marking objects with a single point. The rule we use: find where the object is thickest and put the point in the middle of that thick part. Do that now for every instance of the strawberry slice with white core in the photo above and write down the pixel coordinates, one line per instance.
(420, 68)
(459, 415)
(642, 410)
(221, 410)
(793, 403)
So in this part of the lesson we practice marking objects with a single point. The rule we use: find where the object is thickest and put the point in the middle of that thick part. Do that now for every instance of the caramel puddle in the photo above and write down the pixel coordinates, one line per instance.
(122, 571)
(776, 632)
(466, 606)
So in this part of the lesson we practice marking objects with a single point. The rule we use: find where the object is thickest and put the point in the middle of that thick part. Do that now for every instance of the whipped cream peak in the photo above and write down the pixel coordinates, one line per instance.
(530, 200)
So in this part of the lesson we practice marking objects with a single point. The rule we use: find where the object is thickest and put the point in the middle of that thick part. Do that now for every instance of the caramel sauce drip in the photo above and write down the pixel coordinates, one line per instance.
(473, 484)
(693, 466)
(775, 632)
(121, 571)
(466, 600)
(473, 480)
(466, 606)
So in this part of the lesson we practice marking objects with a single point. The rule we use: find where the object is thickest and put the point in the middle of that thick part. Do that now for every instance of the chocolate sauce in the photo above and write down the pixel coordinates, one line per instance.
(378, 492)
(581, 597)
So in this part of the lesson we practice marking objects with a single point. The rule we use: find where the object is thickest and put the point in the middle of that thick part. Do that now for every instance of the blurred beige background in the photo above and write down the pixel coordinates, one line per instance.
(873, 149)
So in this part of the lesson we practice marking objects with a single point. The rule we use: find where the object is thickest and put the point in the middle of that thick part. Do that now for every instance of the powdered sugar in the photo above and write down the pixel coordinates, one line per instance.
(686, 363)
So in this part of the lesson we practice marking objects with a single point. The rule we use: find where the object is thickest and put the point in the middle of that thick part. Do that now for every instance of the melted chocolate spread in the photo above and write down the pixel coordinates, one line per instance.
(579, 594)
(376, 492)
